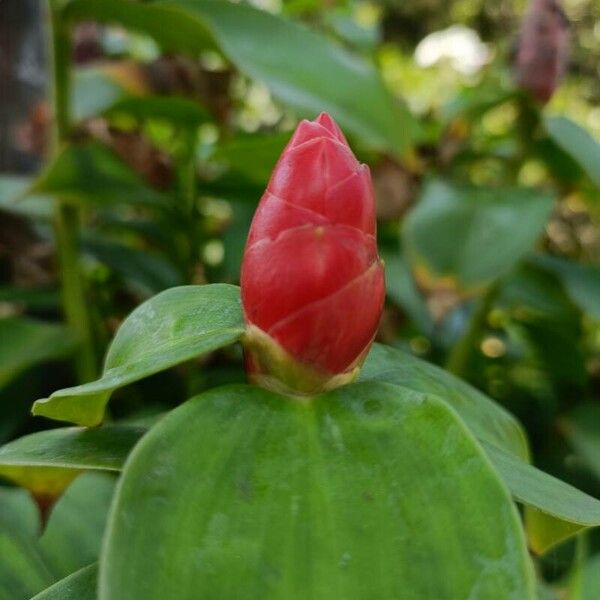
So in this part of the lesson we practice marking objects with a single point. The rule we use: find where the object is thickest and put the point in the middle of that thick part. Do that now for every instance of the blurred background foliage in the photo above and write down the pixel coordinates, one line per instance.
(488, 204)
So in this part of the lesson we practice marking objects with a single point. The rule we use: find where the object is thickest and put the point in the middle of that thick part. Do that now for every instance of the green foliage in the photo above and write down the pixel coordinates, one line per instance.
(46, 462)
(576, 142)
(488, 421)
(31, 563)
(80, 585)
(92, 174)
(304, 499)
(480, 218)
(403, 485)
(25, 342)
(175, 326)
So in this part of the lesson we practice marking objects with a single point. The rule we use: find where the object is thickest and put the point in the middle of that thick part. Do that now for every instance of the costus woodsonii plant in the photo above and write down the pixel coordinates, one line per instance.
(312, 281)
(543, 49)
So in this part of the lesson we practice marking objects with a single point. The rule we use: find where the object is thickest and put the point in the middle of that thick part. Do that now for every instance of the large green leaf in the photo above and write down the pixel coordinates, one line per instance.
(369, 491)
(174, 326)
(487, 420)
(343, 84)
(467, 237)
(577, 143)
(90, 173)
(46, 462)
(80, 585)
(544, 493)
(25, 342)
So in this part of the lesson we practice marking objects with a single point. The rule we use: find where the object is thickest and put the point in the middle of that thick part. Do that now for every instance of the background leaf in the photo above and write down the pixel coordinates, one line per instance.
(174, 326)
(23, 571)
(582, 429)
(170, 27)
(307, 499)
(547, 494)
(91, 174)
(25, 342)
(190, 26)
(31, 563)
(460, 236)
(577, 143)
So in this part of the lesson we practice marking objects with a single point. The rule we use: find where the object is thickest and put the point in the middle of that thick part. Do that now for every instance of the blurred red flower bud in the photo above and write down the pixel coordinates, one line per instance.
(312, 282)
(543, 49)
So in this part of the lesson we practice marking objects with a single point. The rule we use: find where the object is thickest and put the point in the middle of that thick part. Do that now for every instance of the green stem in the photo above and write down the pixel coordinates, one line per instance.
(460, 356)
(66, 222)
(188, 193)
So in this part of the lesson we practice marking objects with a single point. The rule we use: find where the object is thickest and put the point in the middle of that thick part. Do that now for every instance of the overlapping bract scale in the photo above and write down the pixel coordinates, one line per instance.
(311, 277)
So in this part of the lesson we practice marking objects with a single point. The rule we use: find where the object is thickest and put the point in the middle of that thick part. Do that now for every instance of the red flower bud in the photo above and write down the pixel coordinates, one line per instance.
(312, 282)
(543, 51)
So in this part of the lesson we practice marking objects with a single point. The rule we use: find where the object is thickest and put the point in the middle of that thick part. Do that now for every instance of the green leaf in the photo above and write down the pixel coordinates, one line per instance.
(467, 237)
(73, 535)
(368, 492)
(192, 26)
(581, 281)
(582, 428)
(312, 75)
(402, 289)
(577, 143)
(14, 198)
(91, 174)
(72, 538)
(253, 156)
(174, 326)
(25, 342)
(544, 493)
(172, 28)
(80, 585)
(590, 586)
(180, 111)
(94, 91)
(46, 462)
(23, 570)
(145, 272)
(487, 420)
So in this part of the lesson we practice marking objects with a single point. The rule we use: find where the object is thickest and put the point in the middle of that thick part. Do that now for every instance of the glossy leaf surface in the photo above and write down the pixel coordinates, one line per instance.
(47, 461)
(172, 327)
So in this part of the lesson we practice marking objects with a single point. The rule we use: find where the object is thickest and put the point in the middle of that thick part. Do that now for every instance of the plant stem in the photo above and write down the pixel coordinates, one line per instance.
(460, 356)
(187, 192)
(66, 222)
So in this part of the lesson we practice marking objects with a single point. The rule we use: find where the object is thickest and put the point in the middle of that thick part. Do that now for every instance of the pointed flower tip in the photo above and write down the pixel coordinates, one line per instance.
(312, 283)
